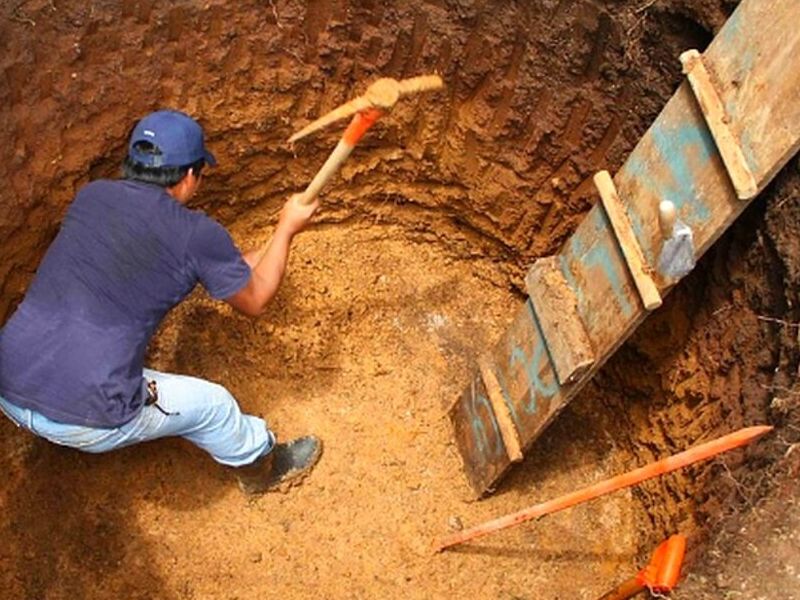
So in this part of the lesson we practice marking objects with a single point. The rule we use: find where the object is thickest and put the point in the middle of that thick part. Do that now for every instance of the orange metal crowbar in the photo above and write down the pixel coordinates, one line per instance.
(660, 576)
(379, 98)
(665, 465)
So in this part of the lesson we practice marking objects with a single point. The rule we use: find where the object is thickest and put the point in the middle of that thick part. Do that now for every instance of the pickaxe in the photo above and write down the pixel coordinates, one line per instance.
(379, 98)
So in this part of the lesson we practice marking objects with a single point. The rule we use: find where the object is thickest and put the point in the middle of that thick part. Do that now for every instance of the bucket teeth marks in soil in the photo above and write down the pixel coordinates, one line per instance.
(508, 85)
(593, 26)
(400, 53)
(177, 20)
(599, 40)
(416, 143)
(475, 60)
(600, 152)
(583, 195)
(538, 121)
(442, 60)
(419, 37)
(374, 11)
(573, 132)
(239, 58)
(371, 59)
(318, 14)
(472, 160)
(144, 10)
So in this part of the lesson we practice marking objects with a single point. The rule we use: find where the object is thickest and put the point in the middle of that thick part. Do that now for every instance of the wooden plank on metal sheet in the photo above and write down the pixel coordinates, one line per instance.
(714, 111)
(620, 223)
(508, 431)
(754, 58)
(526, 375)
(556, 307)
(757, 55)
(478, 436)
(593, 264)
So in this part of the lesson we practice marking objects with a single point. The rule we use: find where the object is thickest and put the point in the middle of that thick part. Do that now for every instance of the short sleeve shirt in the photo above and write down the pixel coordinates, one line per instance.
(126, 253)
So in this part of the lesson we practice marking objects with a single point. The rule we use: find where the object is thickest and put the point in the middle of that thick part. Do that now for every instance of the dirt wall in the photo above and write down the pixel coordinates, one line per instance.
(539, 96)
(464, 189)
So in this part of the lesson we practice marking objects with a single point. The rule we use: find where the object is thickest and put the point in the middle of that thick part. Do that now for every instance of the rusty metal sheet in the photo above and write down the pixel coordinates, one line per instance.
(478, 436)
(758, 54)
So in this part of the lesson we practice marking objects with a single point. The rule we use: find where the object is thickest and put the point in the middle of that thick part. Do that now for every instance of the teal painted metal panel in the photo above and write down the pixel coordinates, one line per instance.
(756, 60)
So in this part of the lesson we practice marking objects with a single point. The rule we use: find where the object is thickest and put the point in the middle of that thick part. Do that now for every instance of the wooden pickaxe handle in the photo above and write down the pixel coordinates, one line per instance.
(345, 110)
(361, 122)
(423, 83)
(382, 94)
(380, 97)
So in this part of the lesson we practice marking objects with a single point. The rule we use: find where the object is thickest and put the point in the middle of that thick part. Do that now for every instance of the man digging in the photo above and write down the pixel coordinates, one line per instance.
(72, 355)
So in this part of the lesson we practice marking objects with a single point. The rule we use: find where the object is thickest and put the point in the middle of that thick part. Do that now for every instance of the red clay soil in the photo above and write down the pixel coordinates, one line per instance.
(414, 266)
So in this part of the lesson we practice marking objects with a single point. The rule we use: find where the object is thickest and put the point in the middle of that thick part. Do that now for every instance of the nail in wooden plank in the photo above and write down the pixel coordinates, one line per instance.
(714, 112)
(556, 307)
(508, 430)
(631, 250)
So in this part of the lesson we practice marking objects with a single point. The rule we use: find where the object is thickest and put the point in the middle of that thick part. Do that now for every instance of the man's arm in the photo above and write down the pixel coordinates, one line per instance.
(268, 264)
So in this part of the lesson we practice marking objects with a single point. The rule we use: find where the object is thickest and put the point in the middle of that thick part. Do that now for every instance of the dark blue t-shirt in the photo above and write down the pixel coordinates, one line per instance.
(127, 252)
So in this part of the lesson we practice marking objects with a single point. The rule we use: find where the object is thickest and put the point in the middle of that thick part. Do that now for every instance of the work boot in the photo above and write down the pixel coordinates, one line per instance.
(284, 466)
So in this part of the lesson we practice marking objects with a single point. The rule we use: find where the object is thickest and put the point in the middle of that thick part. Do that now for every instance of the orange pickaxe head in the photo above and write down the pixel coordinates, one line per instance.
(381, 95)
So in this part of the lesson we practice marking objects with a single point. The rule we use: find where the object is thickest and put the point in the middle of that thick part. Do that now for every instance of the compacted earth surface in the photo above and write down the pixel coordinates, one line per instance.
(412, 268)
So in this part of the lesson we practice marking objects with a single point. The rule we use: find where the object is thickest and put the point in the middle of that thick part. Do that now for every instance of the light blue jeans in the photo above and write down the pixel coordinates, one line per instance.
(204, 413)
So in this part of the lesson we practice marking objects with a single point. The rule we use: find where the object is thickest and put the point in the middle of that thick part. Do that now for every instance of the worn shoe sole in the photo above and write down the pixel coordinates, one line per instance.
(282, 482)
(295, 477)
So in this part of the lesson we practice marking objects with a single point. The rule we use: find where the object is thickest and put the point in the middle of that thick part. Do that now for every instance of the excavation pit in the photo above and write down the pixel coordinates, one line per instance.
(414, 267)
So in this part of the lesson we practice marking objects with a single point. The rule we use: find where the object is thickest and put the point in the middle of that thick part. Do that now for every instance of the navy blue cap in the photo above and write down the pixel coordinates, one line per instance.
(177, 135)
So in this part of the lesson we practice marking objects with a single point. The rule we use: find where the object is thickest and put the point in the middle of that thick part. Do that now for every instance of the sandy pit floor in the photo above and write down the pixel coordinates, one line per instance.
(412, 269)
(370, 337)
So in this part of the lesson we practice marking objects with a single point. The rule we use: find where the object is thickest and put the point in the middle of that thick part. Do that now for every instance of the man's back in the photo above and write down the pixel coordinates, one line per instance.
(71, 356)
(126, 254)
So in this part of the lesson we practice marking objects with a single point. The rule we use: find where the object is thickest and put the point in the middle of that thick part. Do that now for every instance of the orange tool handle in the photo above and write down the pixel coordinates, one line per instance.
(359, 125)
(665, 465)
